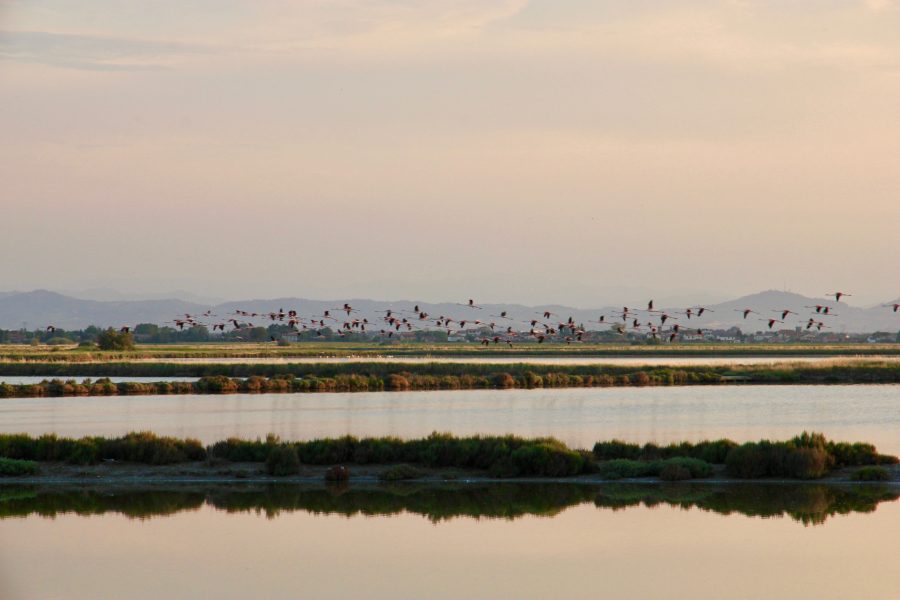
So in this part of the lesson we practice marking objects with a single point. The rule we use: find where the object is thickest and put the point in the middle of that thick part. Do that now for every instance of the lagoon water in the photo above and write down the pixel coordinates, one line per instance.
(565, 543)
(578, 416)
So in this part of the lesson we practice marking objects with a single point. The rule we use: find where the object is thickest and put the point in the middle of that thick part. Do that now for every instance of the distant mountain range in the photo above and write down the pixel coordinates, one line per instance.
(40, 308)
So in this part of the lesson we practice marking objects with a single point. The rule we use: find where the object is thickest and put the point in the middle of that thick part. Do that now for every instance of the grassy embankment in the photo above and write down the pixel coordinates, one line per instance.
(810, 504)
(807, 456)
(363, 377)
(15, 353)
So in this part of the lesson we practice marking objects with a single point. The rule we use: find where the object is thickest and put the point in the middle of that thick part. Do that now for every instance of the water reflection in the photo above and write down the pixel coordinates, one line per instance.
(809, 504)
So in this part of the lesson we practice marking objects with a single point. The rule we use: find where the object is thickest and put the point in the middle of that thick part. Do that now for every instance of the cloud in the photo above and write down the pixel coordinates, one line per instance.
(91, 52)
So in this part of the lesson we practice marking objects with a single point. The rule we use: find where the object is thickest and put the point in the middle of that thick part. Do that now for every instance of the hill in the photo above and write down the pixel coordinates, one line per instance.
(39, 308)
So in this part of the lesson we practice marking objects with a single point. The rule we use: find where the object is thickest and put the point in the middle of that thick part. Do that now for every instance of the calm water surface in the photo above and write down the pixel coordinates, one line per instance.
(578, 416)
(203, 544)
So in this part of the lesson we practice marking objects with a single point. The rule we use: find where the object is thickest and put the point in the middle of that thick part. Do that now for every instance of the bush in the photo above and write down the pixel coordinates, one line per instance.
(238, 450)
(808, 460)
(113, 340)
(547, 459)
(504, 381)
(872, 474)
(401, 472)
(708, 451)
(806, 463)
(283, 461)
(616, 449)
(10, 467)
(694, 466)
(674, 472)
(145, 447)
(622, 468)
(672, 469)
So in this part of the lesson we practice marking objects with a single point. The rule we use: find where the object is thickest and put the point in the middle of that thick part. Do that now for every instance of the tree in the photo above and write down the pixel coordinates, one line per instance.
(114, 340)
(146, 329)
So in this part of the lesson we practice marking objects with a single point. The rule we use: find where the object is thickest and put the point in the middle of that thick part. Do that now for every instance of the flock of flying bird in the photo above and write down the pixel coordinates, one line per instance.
(503, 328)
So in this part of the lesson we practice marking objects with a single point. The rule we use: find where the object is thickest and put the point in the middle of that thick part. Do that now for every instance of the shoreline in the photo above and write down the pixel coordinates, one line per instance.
(136, 475)
(378, 377)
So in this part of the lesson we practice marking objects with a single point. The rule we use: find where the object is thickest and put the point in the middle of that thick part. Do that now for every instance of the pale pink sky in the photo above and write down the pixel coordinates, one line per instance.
(511, 150)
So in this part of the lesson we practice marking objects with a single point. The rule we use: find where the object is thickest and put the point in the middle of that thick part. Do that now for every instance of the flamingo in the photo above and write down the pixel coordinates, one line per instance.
(839, 295)
(772, 322)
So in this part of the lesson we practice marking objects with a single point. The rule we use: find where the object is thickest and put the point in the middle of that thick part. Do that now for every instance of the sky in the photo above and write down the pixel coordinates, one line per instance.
(570, 151)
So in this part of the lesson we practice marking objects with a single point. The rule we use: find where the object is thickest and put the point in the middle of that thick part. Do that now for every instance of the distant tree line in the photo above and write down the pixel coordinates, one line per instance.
(149, 333)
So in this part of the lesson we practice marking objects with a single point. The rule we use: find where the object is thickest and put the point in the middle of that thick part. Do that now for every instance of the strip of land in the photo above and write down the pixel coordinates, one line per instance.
(367, 377)
(144, 457)
(17, 353)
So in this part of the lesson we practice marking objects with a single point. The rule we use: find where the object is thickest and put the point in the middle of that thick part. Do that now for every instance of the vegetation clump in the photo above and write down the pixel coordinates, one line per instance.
(401, 473)
(709, 451)
(217, 378)
(807, 456)
(10, 467)
(115, 340)
(871, 474)
(139, 447)
(671, 469)
(283, 461)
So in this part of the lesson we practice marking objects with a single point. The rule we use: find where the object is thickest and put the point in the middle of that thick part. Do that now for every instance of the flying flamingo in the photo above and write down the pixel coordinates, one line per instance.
(772, 322)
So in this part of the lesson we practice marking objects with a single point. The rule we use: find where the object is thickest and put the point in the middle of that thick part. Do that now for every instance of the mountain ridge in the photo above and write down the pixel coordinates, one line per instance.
(39, 308)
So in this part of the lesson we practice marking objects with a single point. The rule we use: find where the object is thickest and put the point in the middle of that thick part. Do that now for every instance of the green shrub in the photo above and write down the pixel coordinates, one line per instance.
(282, 461)
(144, 447)
(674, 472)
(616, 449)
(801, 458)
(114, 340)
(547, 459)
(10, 467)
(806, 463)
(623, 468)
(238, 450)
(694, 466)
(872, 474)
(677, 468)
(401, 472)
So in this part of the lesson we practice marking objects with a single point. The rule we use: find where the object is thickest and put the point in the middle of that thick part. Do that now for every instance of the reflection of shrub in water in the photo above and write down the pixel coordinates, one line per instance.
(808, 504)
(811, 504)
